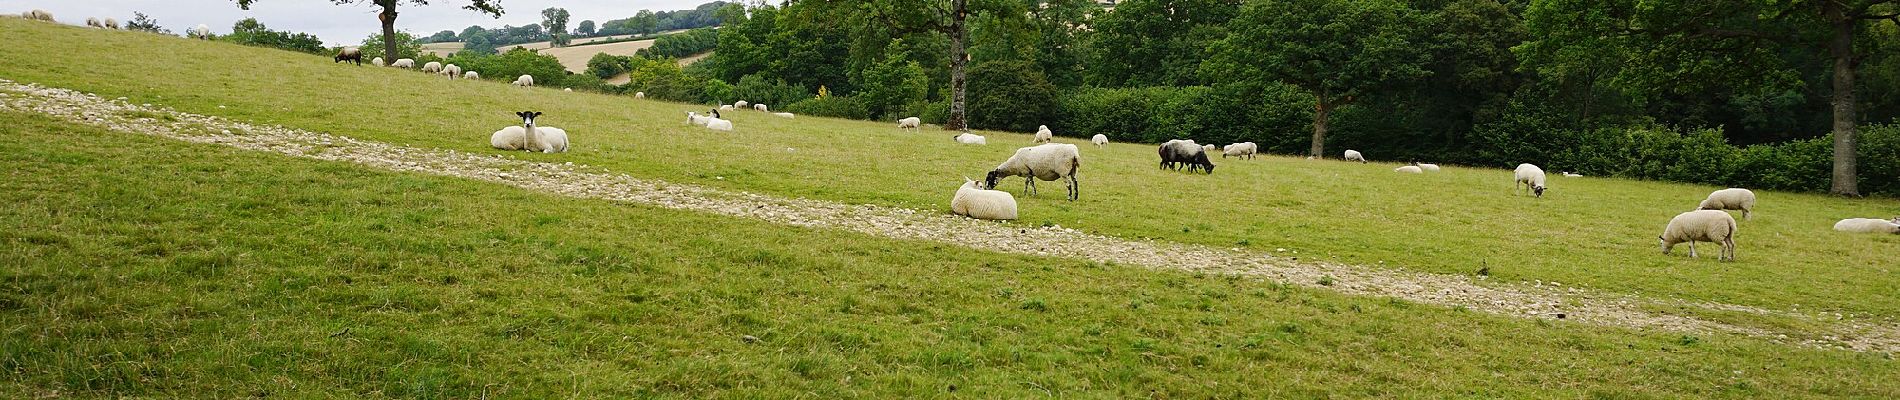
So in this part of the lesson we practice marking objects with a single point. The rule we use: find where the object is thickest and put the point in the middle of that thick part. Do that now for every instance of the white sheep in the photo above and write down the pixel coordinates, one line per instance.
(970, 138)
(1240, 150)
(1044, 135)
(761, 107)
(1730, 199)
(452, 71)
(1568, 174)
(1713, 226)
(1099, 140)
(639, 95)
(1209, 148)
(1410, 169)
(740, 105)
(1047, 162)
(975, 202)
(94, 22)
(1427, 167)
(912, 122)
(530, 137)
(378, 61)
(726, 107)
(404, 63)
(1531, 177)
(1868, 225)
(693, 118)
(471, 75)
(567, 89)
(201, 32)
(718, 124)
(1353, 155)
(38, 15)
(783, 115)
(524, 81)
(112, 23)
(432, 67)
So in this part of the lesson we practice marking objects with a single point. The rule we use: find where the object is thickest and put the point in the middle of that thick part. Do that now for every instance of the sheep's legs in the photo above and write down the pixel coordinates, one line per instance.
(1075, 187)
(1692, 249)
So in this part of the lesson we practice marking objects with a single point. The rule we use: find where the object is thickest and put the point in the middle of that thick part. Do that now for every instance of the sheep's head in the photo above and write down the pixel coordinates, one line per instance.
(989, 181)
(715, 113)
(527, 117)
(1664, 243)
(1539, 190)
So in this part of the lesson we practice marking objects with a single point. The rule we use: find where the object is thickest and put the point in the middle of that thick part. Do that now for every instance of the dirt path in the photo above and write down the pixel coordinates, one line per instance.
(1535, 300)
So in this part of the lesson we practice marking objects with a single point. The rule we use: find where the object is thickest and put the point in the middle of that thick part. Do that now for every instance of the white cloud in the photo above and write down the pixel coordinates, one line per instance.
(337, 24)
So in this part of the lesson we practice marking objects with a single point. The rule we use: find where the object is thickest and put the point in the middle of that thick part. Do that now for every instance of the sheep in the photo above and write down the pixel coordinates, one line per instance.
(740, 105)
(718, 124)
(38, 15)
(1868, 225)
(378, 61)
(1240, 150)
(94, 22)
(452, 71)
(639, 95)
(348, 54)
(432, 67)
(1208, 148)
(1426, 167)
(912, 122)
(201, 32)
(1568, 174)
(783, 115)
(1730, 199)
(761, 107)
(726, 107)
(970, 138)
(524, 81)
(1099, 140)
(404, 63)
(976, 202)
(567, 89)
(1353, 155)
(1178, 152)
(1532, 178)
(1712, 226)
(1410, 169)
(112, 23)
(471, 75)
(529, 137)
(1047, 162)
(694, 118)
(1044, 135)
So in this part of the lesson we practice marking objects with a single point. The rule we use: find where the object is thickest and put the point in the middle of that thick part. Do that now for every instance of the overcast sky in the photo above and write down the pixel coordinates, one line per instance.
(337, 24)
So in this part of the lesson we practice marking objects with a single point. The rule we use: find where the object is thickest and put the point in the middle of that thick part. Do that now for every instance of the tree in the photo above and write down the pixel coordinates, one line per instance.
(405, 45)
(388, 15)
(1667, 45)
(1010, 95)
(555, 19)
(439, 37)
(249, 32)
(946, 17)
(1156, 42)
(586, 28)
(141, 22)
(1337, 50)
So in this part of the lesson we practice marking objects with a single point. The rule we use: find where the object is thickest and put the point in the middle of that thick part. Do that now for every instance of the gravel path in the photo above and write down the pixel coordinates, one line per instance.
(1533, 300)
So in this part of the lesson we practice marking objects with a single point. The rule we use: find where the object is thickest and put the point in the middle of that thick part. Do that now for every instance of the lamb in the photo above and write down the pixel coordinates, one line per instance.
(718, 124)
(782, 115)
(1046, 162)
(1240, 150)
(969, 138)
(529, 137)
(1426, 167)
(761, 107)
(1712, 226)
(452, 71)
(1099, 140)
(1730, 199)
(201, 32)
(1868, 225)
(639, 95)
(1353, 155)
(912, 122)
(112, 23)
(1532, 177)
(524, 81)
(432, 67)
(404, 63)
(1410, 169)
(976, 202)
(1044, 135)
(348, 54)
(1178, 152)
(740, 105)
(94, 22)
(471, 75)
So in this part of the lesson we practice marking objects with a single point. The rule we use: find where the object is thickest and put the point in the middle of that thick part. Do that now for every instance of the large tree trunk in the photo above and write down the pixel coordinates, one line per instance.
(1846, 142)
(959, 58)
(1321, 114)
(388, 16)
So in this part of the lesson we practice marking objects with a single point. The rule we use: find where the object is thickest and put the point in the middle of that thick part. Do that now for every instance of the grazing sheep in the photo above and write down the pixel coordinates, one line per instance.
(912, 122)
(976, 202)
(1176, 153)
(524, 81)
(201, 32)
(761, 107)
(639, 95)
(1868, 225)
(432, 67)
(112, 23)
(1240, 150)
(1099, 140)
(348, 54)
(1046, 162)
(1427, 167)
(452, 71)
(717, 123)
(94, 22)
(1209, 148)
(1044, 135)
(40, 15)
(1532, 177)
(693, 118)
(783, 115)
(471, 75)
(1410, 169)
(530, 137)
(378, 61)
(970, 138)
(726, 107)
(404, 63)
(1730, 199)
(740, 105)
(1711, 226)
(1353, 155)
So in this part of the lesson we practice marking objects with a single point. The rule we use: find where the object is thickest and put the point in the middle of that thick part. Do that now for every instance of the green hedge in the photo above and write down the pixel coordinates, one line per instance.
(1698, 156)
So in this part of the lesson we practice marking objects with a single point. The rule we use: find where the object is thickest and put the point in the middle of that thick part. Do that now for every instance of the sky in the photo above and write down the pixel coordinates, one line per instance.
(336, 24)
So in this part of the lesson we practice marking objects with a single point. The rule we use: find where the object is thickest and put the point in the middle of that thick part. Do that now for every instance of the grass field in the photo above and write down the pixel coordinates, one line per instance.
(226, 274)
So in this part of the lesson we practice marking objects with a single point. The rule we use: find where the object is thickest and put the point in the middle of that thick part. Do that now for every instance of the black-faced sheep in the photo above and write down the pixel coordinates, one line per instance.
(349, 54)
(1531, 177)
(1046, 162)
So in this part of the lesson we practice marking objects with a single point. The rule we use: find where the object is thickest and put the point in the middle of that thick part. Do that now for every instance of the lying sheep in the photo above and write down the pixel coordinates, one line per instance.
(1099, 140)
(452, 71)
(718, 124)
(351, 54)
(740, 105)
(404, 63)
(378, 61)
(639, 95)
(1047, 162)
(693, 118)
(1531, 177)
(1568, 174)
(1426, 167)
(1410, 169)
(1044, 135)
(976, 202)
(471, 75)
(912, 122)
(783, 115)
(1240, 150)
(761, 107)
(524, 81)
(567, 89)
(1353, 155)
(1711, 226)
(1730, 199)
(530, 137)
(727, 107)
(1176, 153)
(970, 138)
(1868, 225)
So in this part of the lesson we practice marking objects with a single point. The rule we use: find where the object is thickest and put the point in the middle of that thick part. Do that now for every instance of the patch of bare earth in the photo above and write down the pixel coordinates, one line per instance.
(1532, 300)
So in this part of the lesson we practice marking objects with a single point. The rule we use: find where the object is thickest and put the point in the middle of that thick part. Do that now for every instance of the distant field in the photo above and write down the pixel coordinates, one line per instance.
(135, 266)
(573, 57)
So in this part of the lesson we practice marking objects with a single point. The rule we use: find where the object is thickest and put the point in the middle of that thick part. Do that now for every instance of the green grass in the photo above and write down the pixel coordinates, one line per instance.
(138, 266)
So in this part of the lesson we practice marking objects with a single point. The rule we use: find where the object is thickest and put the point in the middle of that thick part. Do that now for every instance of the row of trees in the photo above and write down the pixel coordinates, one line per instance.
(554, 28)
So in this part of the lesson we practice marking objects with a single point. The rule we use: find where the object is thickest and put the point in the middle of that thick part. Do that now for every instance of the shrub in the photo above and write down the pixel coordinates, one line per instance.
(892, 84)
(831, 106)
(776, 94)
(1009, 95)
(606, 66)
